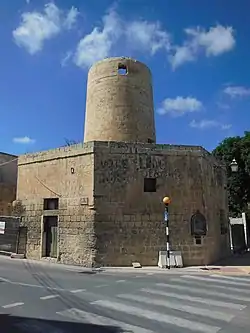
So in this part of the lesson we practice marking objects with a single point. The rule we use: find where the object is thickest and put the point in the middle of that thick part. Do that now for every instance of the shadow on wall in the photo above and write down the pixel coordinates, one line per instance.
(13, 324)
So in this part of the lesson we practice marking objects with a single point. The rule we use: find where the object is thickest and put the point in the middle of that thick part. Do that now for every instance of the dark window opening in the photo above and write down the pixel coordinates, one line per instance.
(150, 141)
(149, 184)
(50, 204)
(122, 69)
(198, 240)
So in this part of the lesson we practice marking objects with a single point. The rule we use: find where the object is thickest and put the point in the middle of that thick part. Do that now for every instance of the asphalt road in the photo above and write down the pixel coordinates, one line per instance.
(42, 298)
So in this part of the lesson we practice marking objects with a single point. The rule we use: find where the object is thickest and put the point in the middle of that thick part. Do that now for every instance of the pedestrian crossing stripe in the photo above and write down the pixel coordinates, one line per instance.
(223, 316)
(215, 279)
(185, 309)
(208, 285)
(206, 301)
(156, 316)
(203, 291)
(94, 319)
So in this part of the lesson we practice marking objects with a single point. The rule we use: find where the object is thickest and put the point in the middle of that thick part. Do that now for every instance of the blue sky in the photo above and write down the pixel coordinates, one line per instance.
(198, 52)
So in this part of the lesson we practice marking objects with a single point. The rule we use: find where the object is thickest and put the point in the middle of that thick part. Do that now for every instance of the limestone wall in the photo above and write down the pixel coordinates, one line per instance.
(104, 214)
(8, 169)
(8, 177)
(67, 174)
(119, 107)
(129, 221)
(7, 196)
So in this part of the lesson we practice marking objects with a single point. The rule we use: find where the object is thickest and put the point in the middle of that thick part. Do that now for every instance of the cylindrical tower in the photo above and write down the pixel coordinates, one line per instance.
(119, 104)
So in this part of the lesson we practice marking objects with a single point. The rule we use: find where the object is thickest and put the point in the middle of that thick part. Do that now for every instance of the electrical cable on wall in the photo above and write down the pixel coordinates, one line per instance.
(15, 159)
(59, 195)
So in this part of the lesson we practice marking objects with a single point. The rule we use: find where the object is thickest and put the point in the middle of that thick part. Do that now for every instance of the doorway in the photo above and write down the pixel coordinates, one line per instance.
(50, 236)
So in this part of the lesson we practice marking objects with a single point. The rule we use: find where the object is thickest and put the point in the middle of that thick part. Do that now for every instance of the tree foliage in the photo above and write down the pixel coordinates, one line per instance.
(238, 182)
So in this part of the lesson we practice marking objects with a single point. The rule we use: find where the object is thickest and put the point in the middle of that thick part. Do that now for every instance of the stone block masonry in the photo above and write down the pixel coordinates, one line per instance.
(105, 214)
(129, 220)
(66, 174)
(8, 178)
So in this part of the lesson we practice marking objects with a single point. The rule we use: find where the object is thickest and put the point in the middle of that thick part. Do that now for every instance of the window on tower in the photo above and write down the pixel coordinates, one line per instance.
(122, 69)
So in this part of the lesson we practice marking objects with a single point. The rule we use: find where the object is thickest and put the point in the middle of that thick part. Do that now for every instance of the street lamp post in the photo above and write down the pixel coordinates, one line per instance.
(234, 168)
(234, 165)
(166, 201)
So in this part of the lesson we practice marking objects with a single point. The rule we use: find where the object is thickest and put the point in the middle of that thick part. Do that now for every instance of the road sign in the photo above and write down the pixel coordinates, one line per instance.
(165, 216)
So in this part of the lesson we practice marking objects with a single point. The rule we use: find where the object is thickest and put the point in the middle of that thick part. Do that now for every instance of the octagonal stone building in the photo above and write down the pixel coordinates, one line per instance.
(100, 202)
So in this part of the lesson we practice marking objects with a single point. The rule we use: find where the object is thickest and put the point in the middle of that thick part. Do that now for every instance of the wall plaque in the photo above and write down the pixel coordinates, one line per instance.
(198, 224)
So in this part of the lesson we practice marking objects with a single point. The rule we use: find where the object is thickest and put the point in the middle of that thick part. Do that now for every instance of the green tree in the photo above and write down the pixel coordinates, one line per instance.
(238, 182)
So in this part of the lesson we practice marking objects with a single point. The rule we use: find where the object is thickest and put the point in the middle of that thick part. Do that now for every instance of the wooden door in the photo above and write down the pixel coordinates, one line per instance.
(51, 236)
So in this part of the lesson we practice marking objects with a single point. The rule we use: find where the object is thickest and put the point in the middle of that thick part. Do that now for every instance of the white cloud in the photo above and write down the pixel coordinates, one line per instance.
(214, 42)
(150, 38)
(138, 35)
(147, 36)
(226, 126)
(98, 44)
(206, 124)
(24, 140)
(71, 18)
(180, 105)
(182, 54)
(66, 58)
(223, 106)
(237, 91)
(37, 27)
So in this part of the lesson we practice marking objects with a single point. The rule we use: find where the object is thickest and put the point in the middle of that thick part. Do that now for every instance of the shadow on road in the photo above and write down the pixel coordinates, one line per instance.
(13, 324)
(90, 272)
(237, 259)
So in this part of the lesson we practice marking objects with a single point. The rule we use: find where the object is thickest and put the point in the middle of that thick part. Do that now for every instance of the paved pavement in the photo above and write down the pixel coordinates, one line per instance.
(39, 298)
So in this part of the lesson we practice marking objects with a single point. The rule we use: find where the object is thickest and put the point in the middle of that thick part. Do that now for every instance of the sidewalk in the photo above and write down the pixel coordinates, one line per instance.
(235, 265)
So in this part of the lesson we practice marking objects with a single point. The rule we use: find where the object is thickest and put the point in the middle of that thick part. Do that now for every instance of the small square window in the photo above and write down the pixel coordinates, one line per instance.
(50, 204)
(198, 240)
(122, 69)
(149, 184)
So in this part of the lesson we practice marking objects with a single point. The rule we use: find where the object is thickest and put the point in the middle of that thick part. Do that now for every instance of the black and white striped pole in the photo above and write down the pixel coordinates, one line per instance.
(166, 201)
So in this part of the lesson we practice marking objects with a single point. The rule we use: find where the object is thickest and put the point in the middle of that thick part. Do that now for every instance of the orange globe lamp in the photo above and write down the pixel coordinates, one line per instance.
(166, 200)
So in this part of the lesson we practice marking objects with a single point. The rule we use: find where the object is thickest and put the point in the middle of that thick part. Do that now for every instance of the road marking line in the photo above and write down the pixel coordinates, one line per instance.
(238, 290)
(150, 273)
(120, 281)
(95, 319)
(223, 316)
(12, 305)
(160, 317)
(195, 299)
(102, 285)
(4, 280)
(35, 286)
(49, 297)
(231, 278)
(216, 280)
(77, 291)
(205, 292)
